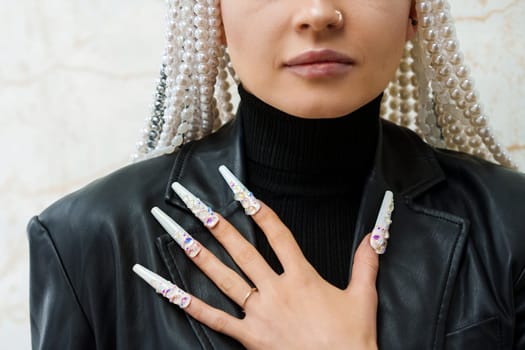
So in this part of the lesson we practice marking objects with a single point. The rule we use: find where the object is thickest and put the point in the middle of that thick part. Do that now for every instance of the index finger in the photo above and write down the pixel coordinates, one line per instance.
(279, 236)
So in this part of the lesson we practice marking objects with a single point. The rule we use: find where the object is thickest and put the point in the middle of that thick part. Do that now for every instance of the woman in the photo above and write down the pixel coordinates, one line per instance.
(308, 141)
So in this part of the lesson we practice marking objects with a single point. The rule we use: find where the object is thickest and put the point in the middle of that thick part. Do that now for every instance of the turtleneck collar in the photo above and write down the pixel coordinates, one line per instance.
(287, 154)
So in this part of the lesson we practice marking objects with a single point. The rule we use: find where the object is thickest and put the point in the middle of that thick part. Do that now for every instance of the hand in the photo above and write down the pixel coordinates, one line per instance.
(294, 310)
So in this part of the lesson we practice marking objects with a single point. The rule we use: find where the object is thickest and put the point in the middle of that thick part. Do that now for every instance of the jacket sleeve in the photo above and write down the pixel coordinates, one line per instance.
(57, 318)
(519, 306)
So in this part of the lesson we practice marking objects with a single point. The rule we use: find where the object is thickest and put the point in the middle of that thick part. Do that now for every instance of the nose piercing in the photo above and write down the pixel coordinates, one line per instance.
(339, 18)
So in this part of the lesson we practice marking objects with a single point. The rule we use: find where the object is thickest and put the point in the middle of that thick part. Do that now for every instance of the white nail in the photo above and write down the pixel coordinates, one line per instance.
(164, 287)
(197, 207)
(183, 238)
(380, 233)
(248, 201)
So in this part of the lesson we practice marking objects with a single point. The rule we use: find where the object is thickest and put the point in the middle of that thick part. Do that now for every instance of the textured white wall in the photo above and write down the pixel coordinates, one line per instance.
(74, 74)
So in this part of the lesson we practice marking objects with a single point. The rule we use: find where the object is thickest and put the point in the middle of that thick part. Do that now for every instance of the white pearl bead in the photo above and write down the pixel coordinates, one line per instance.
(183, 127)
(466, 85)
(424, 7)
(177, 141)
(426, 21)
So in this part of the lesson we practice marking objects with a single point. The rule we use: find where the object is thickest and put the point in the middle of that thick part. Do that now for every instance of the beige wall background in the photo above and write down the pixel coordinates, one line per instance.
(76, 80)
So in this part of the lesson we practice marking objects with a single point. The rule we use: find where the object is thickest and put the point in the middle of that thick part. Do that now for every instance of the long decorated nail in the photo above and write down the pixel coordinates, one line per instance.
(380, 234)
(168, 290)
(197, 207)
(183, 238)
(241, 194)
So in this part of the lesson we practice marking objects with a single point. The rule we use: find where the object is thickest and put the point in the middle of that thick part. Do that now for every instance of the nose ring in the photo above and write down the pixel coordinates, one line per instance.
(339, 15)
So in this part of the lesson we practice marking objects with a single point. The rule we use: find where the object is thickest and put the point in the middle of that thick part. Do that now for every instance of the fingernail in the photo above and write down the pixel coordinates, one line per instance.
(183, 238)
(164, 287)
(380, 234)
(197, 207)
(250, 204)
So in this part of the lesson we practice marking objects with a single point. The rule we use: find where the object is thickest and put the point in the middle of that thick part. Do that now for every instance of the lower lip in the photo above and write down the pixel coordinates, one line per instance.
(320, 70)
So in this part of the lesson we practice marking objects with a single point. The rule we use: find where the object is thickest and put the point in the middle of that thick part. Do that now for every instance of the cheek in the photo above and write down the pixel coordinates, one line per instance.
(385, 42)
(251, 38)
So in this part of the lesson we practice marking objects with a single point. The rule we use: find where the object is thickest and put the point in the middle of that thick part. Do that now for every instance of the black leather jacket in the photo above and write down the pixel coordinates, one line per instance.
(453, 276)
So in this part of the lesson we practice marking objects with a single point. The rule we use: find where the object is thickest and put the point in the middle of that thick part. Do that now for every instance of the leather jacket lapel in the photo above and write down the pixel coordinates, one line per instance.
(418, 270)
(416, 276)
(196, 167)
(197, 164)
(413, 284)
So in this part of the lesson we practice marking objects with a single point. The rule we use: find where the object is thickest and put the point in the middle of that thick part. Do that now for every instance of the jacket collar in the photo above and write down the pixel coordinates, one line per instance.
(403, 164)
(221, 148)
(416, 273)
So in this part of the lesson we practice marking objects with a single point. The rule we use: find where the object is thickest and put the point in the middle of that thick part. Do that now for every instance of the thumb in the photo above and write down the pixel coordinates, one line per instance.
(366, 265)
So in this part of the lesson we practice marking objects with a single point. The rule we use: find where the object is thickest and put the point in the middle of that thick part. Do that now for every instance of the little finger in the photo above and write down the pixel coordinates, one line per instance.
(216, 319)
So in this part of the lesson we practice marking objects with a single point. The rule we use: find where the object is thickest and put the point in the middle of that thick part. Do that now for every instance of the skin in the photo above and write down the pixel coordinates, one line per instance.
(263, 34)
(298, 309)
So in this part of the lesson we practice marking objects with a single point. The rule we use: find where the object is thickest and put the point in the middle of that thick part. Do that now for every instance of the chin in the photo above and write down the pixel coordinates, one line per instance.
(321, 108)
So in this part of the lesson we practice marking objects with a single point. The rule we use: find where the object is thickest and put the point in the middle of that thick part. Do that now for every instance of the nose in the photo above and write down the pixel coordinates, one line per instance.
(318, 15)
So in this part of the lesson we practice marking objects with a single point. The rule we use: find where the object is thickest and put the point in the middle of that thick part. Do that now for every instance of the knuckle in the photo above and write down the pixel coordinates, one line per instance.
(275, 234)
(304, 279)
(370, 265)
(367, 259)
(246, 255)
(219, 323)
(226, 284)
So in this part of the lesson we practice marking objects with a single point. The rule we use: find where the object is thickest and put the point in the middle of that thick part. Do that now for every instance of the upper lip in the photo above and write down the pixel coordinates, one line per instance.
(319, 56)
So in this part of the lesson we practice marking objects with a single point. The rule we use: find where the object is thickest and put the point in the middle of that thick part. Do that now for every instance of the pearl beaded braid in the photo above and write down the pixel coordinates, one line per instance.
(192, 98)
(432, 92)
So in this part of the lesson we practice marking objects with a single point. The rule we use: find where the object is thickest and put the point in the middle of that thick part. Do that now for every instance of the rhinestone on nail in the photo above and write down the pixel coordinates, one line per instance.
(164, 287)
(380, 233)
(203, 212)
(240, 193)
(183, 238)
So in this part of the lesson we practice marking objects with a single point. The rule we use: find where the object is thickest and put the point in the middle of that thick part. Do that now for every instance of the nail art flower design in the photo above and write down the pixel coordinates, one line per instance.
(197, 207)
(164, 287)
(183, 238)
(380, 233)
(240, 193)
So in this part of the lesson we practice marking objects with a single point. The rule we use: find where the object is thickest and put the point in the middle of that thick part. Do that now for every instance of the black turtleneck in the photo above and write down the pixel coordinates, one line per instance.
(312, 173)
